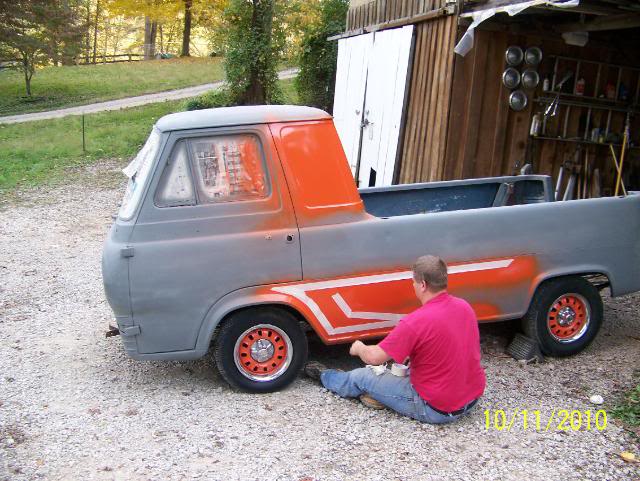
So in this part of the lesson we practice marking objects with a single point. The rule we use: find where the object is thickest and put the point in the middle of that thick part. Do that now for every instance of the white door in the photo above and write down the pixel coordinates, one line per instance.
(348, 102)
(369, 101)
(384, 103)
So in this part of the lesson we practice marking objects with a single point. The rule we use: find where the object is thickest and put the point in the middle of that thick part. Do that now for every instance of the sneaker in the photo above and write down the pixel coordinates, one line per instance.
(370, 402)
(313, 369)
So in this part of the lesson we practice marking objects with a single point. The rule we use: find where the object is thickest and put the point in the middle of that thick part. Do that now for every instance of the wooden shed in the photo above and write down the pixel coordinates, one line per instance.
(547, 83)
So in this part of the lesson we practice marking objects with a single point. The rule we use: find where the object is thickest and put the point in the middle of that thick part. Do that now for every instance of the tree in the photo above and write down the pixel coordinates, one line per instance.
(316, 80)
(155, 12)
(37, 31)
(186, 33)
(254, 48)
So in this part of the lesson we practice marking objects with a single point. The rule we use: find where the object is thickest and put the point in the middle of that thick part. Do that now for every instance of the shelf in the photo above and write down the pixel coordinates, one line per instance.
(597, 100)
(585, 142)
(588, 105)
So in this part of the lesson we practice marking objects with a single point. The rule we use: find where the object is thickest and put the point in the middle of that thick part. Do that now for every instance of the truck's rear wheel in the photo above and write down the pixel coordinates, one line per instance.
(260, 349)
(565, 315)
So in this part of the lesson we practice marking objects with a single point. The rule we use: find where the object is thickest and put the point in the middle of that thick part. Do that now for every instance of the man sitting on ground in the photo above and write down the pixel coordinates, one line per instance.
(442, 343)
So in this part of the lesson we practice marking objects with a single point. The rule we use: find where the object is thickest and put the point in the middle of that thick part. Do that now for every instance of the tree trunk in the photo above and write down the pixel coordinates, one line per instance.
(95, 30)
(261, 23)
(26, 68)
(150, 30)
(160, 31)
(87, 48)
(186, 33)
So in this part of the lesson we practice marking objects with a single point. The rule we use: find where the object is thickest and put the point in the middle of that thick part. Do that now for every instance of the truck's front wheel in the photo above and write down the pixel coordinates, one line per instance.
(260, 349)
(565, 316)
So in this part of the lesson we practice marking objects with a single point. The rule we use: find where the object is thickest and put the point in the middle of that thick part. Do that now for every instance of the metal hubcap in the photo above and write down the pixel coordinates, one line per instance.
(568, 318)
(263, 352)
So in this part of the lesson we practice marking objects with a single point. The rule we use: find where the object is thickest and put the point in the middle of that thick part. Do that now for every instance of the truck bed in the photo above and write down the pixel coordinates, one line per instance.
(456, 195)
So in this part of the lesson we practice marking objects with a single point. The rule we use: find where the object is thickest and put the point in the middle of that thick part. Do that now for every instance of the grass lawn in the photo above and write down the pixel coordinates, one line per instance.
(56, 87)
(40, 152)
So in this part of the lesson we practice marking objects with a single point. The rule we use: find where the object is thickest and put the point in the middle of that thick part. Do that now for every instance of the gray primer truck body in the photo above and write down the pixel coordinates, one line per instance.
(254, 210)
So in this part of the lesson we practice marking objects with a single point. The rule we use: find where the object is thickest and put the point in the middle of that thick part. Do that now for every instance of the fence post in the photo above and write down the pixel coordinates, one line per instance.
(83, 142)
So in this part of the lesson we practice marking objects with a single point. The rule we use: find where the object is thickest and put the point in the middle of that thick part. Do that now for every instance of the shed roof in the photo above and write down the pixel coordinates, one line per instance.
(230, 116)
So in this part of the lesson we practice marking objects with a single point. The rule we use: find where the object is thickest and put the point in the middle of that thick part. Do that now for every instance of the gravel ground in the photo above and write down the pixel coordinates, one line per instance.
(73, 406)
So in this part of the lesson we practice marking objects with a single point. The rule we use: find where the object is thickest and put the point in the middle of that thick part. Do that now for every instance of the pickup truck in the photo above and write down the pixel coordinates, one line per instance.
(242, 231)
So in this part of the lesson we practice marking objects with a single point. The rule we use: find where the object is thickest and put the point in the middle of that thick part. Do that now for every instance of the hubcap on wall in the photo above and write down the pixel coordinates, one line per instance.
(568, 318)
(263, 353)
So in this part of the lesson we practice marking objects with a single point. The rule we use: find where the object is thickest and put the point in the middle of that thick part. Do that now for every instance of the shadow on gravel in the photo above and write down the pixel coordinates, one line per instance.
(494, 339)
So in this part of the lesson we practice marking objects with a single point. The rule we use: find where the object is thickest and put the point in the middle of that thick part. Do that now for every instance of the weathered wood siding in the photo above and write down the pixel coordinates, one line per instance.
(486, 138)
(425, 133)
(380, 11)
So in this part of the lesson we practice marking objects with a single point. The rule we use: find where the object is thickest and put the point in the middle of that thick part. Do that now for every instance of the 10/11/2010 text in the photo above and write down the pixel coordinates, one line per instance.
(559, 420)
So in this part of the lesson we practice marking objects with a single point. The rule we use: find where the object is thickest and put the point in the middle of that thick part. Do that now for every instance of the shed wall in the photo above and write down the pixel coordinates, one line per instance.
(486, 138)
(425, 133)
(380, 11)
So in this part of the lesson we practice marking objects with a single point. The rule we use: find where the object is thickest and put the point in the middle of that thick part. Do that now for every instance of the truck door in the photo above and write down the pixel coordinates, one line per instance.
(216, 218)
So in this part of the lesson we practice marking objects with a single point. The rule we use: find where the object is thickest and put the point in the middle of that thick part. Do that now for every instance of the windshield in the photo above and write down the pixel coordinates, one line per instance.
(138, 172)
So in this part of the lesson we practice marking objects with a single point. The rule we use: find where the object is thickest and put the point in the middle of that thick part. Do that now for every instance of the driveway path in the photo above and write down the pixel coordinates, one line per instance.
(127, 102)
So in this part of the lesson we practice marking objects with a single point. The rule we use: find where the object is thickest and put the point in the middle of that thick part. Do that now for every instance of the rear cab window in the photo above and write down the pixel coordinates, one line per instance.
(214, 169)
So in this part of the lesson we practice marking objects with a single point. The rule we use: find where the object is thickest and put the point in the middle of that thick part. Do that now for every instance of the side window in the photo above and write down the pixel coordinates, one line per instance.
(228, 168)
(175, 187)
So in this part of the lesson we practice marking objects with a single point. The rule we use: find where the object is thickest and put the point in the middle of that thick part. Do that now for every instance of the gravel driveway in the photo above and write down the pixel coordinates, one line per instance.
(74, 407)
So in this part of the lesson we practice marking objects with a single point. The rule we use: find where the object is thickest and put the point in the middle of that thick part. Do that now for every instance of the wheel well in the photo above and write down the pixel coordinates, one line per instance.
(598, 279)
(304, 324)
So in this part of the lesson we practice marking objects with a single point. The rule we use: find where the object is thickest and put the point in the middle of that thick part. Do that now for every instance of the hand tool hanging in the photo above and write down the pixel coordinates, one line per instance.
(625, 139)
(618, 170)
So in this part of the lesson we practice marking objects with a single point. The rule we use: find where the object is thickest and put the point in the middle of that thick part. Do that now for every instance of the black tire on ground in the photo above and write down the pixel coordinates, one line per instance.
(565, 315)
(260, 349)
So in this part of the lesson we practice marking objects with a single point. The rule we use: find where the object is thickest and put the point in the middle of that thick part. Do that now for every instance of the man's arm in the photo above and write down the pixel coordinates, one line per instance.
(373, 355)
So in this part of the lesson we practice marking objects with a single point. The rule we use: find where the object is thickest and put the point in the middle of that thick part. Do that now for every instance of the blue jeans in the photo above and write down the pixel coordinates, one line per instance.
(394, 392)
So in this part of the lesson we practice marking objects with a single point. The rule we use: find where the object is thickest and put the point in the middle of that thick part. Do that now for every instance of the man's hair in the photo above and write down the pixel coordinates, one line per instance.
(432, 270)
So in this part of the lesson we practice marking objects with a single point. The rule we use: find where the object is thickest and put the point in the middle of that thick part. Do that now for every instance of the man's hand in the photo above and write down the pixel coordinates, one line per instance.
(373, 355)
(355, 348)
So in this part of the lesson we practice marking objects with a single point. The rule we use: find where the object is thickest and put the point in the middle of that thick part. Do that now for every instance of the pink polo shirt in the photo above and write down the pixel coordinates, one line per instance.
(441, 339)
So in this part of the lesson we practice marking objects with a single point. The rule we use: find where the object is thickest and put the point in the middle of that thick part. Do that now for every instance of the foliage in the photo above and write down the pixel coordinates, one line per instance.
(68, 86)
(220, 98)
(35, 31)
(298, 16)
(209, 100)
(289, 94)
(169, 15)
(629, 409)
(318, 59)
(255, 39)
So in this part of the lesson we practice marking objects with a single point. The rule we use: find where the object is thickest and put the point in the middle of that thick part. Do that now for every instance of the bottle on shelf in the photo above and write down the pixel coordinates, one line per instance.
(610, 91)
(545, 84)
(580, 86)
(534, 131)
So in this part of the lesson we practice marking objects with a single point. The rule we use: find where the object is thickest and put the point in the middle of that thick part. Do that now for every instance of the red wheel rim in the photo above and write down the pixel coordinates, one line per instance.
(568, 317)
(263, 352)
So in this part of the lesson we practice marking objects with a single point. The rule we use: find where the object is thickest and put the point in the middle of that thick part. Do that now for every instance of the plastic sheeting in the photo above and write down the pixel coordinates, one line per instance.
(466, 42)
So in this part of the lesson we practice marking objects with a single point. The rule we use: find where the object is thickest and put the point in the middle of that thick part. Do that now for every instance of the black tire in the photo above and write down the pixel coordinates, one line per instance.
(565, 315)
(281, 346)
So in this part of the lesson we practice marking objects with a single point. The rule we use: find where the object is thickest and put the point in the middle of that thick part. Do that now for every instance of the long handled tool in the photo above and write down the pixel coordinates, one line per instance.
(625, 139)
(618, 170)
